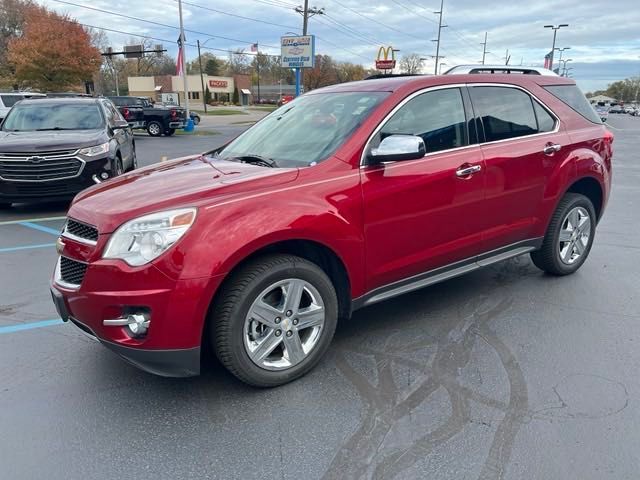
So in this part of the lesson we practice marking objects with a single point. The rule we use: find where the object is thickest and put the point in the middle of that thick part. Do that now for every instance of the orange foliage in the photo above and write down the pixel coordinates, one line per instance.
(53, 53)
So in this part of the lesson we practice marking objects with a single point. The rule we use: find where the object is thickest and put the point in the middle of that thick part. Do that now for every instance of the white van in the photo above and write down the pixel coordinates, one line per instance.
(8, 99)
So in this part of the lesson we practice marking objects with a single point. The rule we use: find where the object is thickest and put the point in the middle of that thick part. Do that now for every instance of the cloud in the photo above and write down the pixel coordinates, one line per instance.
(353, 30)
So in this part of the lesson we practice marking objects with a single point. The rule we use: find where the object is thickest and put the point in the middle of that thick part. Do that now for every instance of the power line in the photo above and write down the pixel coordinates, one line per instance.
(349, 31)
(122, 15)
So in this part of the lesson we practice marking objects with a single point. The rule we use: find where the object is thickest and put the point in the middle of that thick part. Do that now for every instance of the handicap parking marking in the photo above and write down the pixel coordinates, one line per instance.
(40, 228)
(31, 325)
(26, 247)
(31, 220)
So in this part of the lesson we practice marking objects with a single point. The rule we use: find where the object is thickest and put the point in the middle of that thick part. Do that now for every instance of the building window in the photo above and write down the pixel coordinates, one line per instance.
(194, 95)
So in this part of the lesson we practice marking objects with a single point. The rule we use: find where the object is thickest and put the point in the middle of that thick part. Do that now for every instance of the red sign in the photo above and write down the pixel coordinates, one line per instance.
(385, 64)
(218, 83)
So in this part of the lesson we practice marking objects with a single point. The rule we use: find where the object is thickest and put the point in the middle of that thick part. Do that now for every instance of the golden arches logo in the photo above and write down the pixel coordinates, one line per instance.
(383, 53)
(383, 62)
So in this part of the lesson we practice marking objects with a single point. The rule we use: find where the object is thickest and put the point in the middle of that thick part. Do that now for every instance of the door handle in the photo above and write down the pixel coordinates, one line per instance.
(466, 171)
(551, 148)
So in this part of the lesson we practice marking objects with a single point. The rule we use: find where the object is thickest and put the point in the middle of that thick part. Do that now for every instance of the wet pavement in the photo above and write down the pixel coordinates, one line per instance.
(505, 373)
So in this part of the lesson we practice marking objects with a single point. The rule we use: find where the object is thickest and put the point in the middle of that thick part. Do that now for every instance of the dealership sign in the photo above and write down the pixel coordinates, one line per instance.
(386, 59)
(297, 52)
(218, 83)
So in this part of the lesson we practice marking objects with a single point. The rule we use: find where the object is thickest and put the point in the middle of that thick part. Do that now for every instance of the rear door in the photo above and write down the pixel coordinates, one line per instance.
(522, 144)
(426, 213)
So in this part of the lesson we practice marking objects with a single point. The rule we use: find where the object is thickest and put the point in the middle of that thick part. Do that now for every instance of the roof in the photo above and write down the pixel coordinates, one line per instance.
(59, 100)
(412, 83)
(493, 69)
(24, 94)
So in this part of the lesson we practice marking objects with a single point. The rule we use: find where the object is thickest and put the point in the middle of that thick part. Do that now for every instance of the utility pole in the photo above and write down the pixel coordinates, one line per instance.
(306, 13)
(484, 47)
(258, 68)
(507, 57)
(184, 70)
(204, 95)
(440, 27)
(553, 47)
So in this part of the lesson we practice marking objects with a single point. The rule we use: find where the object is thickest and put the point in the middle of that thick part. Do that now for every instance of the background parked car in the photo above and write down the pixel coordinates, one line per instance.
(603, 113)
(195, 117)
(9, 99)
(158, 119)
(52, 148)
(133, 114)
(616, 109)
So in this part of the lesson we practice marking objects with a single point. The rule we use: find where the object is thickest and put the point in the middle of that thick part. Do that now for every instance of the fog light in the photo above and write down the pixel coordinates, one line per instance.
(104, 175)
(138, 324)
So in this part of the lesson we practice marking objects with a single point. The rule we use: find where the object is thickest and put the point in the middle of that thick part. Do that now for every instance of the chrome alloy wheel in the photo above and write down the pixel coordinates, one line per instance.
(284, 324)
(574, 235)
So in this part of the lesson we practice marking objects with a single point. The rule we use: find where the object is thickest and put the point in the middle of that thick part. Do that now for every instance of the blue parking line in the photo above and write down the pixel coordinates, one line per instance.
(41, 228)
(28, 326)
(26, 247)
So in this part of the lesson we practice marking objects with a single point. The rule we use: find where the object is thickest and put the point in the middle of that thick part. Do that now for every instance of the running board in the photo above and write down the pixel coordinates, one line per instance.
(445, 273)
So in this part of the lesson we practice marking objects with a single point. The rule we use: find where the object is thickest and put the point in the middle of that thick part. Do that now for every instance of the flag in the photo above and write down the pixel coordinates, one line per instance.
(547, 60)
(179, 71)
(254, 47)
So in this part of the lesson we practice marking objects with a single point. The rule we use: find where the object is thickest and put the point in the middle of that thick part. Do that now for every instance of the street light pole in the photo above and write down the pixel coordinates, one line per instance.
(204, 95)
(184, 71)
(553, 47)
(484, 47)
(440, 27)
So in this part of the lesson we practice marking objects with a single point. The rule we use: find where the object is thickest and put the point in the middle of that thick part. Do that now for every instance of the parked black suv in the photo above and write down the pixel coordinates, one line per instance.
(50, 149)
(158, 119)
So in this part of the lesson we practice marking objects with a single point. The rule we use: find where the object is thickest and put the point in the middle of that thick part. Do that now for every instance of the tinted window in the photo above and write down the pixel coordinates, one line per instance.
(437, 116)
(505, 112)
(30, 116)
(572, 96)
(546, 123)
(10, 100)
(125, 101)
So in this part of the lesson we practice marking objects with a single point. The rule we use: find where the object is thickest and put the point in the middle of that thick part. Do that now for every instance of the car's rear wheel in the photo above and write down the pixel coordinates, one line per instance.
(196, 120)
(154, 129)
(274, 319)
(569, 236)
(169, 131)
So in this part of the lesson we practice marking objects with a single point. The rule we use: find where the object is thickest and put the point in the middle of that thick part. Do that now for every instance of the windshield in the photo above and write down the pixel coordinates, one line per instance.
(33, 117)
(305, 131)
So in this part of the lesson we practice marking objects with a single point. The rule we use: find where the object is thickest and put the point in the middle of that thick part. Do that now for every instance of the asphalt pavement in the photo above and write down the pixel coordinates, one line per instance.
(505, 373)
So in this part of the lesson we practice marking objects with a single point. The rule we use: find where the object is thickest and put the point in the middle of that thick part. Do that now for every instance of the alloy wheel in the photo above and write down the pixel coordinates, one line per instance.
(574, 235)
(284, 324)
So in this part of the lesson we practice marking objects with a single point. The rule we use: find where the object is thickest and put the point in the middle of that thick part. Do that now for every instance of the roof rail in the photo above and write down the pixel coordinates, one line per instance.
(392, 75)
(508, 69)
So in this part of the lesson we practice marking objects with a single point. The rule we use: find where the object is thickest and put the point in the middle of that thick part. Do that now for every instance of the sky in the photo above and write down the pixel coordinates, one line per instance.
(603, 36)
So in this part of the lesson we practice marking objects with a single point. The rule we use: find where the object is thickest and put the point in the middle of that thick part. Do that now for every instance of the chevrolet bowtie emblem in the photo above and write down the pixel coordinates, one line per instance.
(59, 246)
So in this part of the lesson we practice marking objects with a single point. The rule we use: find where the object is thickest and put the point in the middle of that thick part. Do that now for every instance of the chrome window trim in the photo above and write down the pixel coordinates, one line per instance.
(58, 276)
(65, 233)
(23, 159)
(460, 85)
(398, 107)
(542, 104)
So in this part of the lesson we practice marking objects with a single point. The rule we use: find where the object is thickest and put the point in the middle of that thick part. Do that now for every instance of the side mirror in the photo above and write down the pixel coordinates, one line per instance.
(398, 147)
(120, 124)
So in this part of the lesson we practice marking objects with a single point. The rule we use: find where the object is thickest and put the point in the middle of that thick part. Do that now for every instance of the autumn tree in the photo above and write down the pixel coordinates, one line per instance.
(43, 57)
(12, 20)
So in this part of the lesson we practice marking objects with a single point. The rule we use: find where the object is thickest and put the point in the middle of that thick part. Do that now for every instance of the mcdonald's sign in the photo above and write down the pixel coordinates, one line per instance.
(383, 62)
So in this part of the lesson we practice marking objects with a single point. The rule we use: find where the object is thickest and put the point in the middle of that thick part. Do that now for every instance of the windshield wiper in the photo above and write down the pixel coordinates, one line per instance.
(257, 160)
(52, 129)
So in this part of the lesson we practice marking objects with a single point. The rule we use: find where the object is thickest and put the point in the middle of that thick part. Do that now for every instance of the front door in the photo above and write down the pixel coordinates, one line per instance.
(423, 214)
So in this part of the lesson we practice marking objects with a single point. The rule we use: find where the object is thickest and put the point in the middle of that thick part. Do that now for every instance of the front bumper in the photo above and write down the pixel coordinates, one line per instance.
(52, 190)
(110, 288)
(166, 363)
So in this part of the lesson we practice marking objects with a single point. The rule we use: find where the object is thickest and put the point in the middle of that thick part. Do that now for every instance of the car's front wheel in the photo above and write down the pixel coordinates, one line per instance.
(274, 319)
(569, 236)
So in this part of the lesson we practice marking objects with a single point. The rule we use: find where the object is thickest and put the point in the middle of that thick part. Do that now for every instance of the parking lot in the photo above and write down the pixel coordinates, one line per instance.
(505, 373)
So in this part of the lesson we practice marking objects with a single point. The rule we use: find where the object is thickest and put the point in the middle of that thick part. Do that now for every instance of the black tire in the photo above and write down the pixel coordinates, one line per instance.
(134, 160)
(196, 120)
(118, 168)
(548, 258)
(236, 298)
(5, 206)
(154, 128)
(169, 131)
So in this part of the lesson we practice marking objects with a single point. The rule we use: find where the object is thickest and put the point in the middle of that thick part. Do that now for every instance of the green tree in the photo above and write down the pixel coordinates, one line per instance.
(207, 95)
(212, 67)
(12, 18)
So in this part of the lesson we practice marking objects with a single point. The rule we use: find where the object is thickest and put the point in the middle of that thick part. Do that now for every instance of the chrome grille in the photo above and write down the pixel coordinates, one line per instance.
(81, 230)
(71, 271)
(40, 166)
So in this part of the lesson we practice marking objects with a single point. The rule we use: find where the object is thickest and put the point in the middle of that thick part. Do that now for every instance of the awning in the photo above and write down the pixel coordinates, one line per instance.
(246, 91)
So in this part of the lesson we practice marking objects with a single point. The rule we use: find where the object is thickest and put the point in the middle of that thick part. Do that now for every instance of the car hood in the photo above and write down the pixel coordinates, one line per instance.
(189, 181)
(16, 142)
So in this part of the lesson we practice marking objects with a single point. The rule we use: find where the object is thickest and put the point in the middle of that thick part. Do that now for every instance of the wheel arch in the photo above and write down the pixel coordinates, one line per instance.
(591, 188)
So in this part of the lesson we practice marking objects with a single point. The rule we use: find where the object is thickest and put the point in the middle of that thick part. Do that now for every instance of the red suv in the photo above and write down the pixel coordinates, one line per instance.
(347, 196)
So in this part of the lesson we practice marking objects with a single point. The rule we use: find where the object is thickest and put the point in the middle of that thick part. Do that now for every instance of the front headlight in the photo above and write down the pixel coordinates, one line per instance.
(145, 238)
(95, 151)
